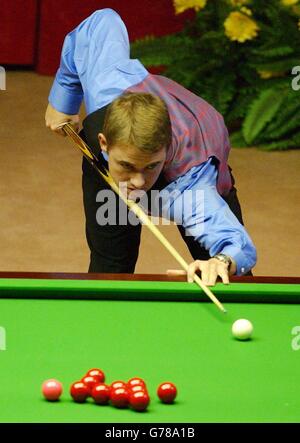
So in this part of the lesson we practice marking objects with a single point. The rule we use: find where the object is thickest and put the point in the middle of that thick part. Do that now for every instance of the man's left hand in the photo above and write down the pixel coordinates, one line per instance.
(210, 270)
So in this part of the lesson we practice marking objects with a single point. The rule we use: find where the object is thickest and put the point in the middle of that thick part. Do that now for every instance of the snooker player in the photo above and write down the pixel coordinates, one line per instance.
(153, 134)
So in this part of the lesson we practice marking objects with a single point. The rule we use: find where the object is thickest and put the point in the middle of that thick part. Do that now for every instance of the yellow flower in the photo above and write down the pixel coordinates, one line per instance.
(246, 11)
(240, 27)
(296, 10)
(182, 5)
(239, 2)
(269, 74)
(289, 2)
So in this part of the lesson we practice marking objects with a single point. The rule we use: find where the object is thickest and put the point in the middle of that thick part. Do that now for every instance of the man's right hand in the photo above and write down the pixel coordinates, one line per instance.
(55, 119)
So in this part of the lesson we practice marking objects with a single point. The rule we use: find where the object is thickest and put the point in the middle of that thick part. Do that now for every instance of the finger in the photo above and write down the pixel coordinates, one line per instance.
(60, 126)
(75, 125)
(205, 275)
(193, 267)
(208, 273)
(175, 272)
(213, 275)
(60, 131)
(223, 273)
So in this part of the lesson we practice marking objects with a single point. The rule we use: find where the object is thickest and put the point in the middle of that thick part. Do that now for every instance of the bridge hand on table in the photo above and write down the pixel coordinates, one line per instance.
(210, 270)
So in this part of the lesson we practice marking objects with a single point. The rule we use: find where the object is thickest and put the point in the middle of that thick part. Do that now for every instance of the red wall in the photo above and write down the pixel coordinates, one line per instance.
(32, 31)
(142, 17)
(18, 23)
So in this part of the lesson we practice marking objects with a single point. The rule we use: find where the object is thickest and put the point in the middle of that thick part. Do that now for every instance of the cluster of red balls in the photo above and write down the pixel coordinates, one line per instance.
(132, 394)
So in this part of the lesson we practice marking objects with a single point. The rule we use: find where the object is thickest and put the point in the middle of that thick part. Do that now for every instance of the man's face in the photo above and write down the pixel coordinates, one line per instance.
(135, 169)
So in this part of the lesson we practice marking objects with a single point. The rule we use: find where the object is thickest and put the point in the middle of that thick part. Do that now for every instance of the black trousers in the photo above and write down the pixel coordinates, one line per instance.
(115, 248)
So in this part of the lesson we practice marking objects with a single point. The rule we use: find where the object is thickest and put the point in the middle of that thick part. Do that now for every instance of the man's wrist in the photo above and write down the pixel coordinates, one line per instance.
(227, 260)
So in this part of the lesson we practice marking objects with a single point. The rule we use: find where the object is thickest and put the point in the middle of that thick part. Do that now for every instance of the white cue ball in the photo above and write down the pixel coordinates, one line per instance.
(242, 329)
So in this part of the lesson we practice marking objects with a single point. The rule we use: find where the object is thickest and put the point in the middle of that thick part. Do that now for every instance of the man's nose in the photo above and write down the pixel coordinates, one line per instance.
(138, 181)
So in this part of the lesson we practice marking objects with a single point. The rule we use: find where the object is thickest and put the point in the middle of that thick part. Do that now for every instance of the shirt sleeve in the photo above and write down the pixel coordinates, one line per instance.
(98, 43)
(194, 202)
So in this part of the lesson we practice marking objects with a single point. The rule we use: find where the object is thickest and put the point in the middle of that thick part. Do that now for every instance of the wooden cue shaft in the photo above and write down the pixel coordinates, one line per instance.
(146, 220)
(138, 212)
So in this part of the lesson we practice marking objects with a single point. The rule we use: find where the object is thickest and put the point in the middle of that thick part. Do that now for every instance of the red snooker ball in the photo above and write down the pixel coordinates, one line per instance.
(89, 381)
(97, 374)
(138, 388)
(52, 389)
(167, 392)
(101, 393)
(139, 400)
(118, 384)
(119, 397)
(79, 391)
(136, 381)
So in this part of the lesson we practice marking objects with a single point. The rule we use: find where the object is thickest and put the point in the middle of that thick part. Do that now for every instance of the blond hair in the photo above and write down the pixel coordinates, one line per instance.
(138, 119)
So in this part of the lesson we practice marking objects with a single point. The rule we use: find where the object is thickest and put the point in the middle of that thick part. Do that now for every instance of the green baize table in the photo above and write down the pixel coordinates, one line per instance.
(158, 328)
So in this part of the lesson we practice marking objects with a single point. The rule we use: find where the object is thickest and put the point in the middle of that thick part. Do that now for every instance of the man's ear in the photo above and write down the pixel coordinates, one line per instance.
(102, 142)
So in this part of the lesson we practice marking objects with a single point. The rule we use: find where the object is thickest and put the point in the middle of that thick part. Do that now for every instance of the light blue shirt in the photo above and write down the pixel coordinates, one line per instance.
(194, 202)
(96, 66)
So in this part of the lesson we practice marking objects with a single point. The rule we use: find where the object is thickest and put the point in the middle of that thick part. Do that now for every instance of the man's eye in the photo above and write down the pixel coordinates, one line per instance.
(152, 166)
(127, 167)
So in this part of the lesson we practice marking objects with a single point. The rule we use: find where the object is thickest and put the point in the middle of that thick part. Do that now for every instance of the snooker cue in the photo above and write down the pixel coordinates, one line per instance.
(93, 160)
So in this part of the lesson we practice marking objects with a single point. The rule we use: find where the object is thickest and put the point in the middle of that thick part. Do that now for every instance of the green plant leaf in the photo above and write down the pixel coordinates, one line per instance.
(261, 111)
(278, 51)
(283, 144)
(237, 140)
(155, 51)
(286, 122)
